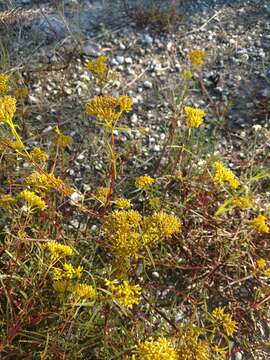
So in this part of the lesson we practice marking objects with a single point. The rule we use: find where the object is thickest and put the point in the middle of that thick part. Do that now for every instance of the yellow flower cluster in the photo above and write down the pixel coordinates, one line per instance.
(143, 182)
(123, 204)
(67, 273)
(194, 117)
(3, 83)
(78, 291)
(160, 349)
(7, 108)
(33, 201)
(84, 291)
(191, 346)
(158, 226)
(101, 194)
(17, 145)
(7, 202)
(38, 155)
(21, 93)
(62, 140)
(261, 263)
(58, 250)
(122, 229)
(229, 325)
(125, 294)
(243, 202)
(39, 182)
(222, 175)
(128, 232)
(98, 67)
(108, 109)
(196, 57)
(259, 224)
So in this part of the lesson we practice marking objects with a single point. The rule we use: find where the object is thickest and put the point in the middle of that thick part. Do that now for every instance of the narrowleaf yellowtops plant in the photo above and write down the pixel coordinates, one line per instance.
(224, 175)
(57, 250)
(161, 349)
(4, 79)
(196, 57)
(143, 182)
(33, 201)
(7, 108)
(259, 224)
(108, 109)
(125, 294)
(37, 155)
(194, 117)
(98, 67)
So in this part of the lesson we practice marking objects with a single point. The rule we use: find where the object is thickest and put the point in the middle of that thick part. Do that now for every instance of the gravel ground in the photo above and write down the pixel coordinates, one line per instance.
(235, 35)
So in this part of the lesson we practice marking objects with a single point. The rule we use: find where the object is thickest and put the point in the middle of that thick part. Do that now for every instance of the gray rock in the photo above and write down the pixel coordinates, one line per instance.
(148, 85)
(148, 40)
(120, 59)
(91, 49)
(134, 119)
(128, 60)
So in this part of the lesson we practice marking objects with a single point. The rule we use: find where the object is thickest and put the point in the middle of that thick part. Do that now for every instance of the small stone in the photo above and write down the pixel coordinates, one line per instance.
(114, 62)
(122, 46)
(148, 40)
(238, 356)
(128, 60)
(120, 59)
(91, 49)
(134, 119)
(169, 45)
(148, 85)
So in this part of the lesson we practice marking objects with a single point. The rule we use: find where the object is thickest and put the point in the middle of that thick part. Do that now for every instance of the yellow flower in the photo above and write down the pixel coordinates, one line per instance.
(39, 182)
(21, 93)
(38, 155)
(226, 321)
(67, 273)
(187, 75)
(122, 229)
(259, 224)
(62, 140)
(84, 291)
(17, 145)
(243, 202)
(261, 263)
(101, 194)
(154, 202)
(33, 201)
(267, 272)
(58, 250)
(196, 57)
(222, 175)
(229, 324)
(218, 313)
(125, 294)
(3, 83)
(98, 67)
(123, 204)
(194, 117)
(125, 103)
(62, 286)
(161, 349)
(108, 109)
(143, 182)
(158, 226)
(7, 202)
(7, 108)
(191, 346)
